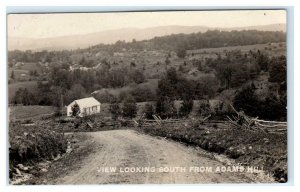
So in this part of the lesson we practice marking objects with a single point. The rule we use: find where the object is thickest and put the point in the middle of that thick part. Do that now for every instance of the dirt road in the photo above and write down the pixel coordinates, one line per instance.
(146, 157)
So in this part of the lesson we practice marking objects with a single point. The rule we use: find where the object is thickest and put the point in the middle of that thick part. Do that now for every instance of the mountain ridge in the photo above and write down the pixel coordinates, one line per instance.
(123, 34)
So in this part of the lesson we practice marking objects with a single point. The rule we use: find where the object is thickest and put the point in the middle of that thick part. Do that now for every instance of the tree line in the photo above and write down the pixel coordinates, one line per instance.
(176, 42)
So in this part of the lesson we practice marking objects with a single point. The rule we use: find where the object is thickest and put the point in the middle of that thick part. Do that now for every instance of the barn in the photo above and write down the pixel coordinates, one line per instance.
(87, 106)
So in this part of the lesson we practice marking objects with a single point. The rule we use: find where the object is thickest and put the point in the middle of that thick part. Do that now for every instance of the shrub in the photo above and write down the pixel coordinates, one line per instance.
(149, 111)
(204, 109)
(165, 107)
(142, 94)
(129, 107)
(105, 97)
(186, 107)
(33, 144)
(115, 109)
(75, 110)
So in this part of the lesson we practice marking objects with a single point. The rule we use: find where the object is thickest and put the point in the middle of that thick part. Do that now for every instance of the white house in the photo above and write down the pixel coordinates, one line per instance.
(87, 106)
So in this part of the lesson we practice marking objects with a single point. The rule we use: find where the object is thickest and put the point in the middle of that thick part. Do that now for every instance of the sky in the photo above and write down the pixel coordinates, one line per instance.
(63, 24)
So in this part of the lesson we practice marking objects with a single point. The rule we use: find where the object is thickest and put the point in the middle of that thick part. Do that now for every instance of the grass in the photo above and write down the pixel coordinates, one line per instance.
(27, 112)
(31, 67)
(69, 162)
(32, 144)
(272, 49)
(152, 84)
(253, 148)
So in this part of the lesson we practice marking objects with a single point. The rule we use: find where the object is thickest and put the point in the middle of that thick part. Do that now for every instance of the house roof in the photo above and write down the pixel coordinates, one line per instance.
(87, 102)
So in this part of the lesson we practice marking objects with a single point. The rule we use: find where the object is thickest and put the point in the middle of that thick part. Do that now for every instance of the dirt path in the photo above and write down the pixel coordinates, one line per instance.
(127, 148)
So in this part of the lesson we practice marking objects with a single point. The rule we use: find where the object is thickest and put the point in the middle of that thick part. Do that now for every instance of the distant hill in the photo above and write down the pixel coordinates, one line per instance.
(126, 34)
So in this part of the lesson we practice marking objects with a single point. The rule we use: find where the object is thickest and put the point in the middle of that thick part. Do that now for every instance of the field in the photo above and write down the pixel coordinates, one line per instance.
(271, 48)
(24, 72)
(28, 112)
(150, 83)
(153, 62)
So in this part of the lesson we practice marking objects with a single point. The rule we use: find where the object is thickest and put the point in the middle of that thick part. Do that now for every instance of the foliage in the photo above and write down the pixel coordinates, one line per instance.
(142, 94)
(75, 110)
(205, 87)
(129, 108)
(262, 60)
(247, 101)
(165, 107)
(204, 109)
(245, 146)
(271, 108)
(171, 42)
(186, 107)
(115, 109)
(149, 110)
(77, 91)
(174, 86)
(105, 97)
(34, 143)
(278, 71)
(181, 52)
(23, 96)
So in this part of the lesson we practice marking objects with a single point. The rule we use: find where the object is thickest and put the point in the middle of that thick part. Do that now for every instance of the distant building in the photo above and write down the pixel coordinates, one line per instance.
(87, 106)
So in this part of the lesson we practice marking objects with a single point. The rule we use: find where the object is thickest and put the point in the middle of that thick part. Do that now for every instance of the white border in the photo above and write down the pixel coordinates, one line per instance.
(151, 3)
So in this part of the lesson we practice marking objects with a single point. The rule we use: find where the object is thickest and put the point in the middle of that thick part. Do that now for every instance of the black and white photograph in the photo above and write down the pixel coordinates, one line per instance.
(148, 97)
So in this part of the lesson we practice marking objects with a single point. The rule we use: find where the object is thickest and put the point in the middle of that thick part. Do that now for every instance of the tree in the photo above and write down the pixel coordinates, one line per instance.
(137, 76)
(23, 96)
(247, 101)
(149, 111)
(105, 97)
(204, 109)
(262, 60)
(278, 70)
(129, 107)
(77, 91)
(165, 107)
(181, 52)
(225, 75)
(167, 85)
(142, 94)
(186, 107)
(115, 109)
(167, 62)
(75, 110)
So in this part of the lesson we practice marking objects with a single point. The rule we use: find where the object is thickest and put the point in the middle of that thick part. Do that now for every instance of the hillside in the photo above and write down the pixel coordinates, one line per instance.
(124, 34)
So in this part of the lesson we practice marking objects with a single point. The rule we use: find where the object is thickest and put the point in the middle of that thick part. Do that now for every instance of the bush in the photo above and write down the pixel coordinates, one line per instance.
(33, 144)
(271, 108)
(105, 97)
(149, 111)
(204, 109)
(75, 110)
(186, 107)
(165, 107)
(129, 108)
(142, 94)
(115, 109)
